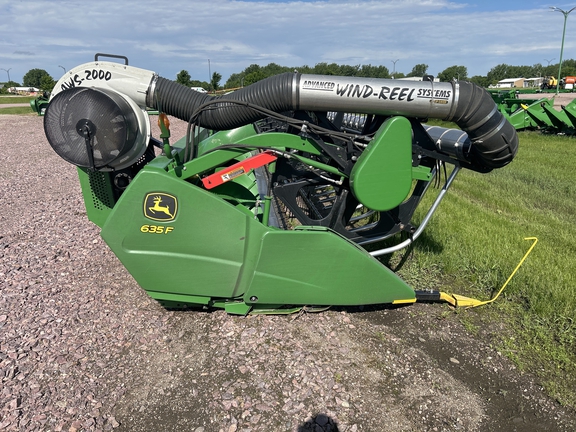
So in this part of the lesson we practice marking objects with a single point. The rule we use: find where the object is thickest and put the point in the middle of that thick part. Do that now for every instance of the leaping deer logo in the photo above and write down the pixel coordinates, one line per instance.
(157, 207)
(164, 208)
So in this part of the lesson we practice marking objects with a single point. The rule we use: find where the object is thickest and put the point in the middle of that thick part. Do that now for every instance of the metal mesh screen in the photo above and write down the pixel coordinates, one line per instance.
(112, 123)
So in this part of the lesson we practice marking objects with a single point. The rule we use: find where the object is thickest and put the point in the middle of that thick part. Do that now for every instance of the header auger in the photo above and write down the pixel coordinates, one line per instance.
(265, 205)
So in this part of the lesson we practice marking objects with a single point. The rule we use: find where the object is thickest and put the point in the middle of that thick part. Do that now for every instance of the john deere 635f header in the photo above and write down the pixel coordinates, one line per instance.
(267, 202)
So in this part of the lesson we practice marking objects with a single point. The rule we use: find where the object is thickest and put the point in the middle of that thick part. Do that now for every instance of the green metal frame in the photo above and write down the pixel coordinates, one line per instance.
(215, 248)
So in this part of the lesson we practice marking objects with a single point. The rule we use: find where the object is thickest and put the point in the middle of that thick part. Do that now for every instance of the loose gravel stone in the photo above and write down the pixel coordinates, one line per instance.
(83, 348)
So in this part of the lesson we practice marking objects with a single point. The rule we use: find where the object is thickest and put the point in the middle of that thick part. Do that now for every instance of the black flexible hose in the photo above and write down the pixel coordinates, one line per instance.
(274, 93)
(494, 139)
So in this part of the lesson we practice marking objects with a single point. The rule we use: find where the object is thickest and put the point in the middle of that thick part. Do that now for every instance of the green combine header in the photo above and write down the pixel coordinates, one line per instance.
(269, 201)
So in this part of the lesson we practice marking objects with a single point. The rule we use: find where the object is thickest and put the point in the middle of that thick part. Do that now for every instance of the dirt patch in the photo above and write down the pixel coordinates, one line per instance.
(83, 348)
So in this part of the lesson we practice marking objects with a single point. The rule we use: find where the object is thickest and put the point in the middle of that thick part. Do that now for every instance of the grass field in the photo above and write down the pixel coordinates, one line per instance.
(16, 99)
(4, 100)
(17, 110)
(476, 240)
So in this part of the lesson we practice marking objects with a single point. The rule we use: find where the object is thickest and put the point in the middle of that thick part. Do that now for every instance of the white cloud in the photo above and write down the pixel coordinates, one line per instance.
(234, 34)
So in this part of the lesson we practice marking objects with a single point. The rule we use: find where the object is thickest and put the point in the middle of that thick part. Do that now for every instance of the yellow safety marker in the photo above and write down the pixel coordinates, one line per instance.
(467, 302)
(404, 301)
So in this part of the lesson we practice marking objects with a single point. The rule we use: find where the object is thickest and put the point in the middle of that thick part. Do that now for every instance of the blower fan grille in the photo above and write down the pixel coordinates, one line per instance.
(95, 128)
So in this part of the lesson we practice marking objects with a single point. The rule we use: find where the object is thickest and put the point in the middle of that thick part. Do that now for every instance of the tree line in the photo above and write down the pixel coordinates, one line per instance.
(38, 78)
(41, 79)
(255, 73)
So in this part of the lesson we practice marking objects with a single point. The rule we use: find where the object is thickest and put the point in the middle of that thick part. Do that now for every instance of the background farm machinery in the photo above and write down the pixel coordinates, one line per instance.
(268, 202)
(529, 109)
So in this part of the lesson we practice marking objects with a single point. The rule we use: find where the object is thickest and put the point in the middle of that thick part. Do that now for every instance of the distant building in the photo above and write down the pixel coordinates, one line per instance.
(24, 90)
(533, 82)
(511, 83)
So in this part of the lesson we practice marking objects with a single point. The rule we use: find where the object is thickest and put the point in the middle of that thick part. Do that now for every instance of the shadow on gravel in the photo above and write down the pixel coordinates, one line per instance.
(320, 422)
(513, 400)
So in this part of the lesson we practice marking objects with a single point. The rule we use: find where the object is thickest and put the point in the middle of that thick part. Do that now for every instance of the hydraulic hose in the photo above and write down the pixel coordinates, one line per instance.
(494, 142)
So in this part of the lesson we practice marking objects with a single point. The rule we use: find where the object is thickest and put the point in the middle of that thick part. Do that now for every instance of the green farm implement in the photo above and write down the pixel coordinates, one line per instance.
(269, 201)
(536, 113)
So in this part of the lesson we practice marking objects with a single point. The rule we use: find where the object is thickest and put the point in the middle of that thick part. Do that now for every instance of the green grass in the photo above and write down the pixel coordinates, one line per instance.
(17, 110)
(476, 239)
(16, 99)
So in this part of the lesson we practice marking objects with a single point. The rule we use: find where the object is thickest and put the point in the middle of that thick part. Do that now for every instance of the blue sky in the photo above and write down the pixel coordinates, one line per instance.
(228, 35)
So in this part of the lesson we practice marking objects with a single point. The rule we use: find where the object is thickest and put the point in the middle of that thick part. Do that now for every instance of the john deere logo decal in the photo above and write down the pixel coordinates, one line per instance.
(159, 206)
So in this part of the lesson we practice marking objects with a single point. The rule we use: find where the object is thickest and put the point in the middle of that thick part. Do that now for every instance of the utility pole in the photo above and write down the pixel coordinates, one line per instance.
(209, 75)
(565, 13)
(394, 71)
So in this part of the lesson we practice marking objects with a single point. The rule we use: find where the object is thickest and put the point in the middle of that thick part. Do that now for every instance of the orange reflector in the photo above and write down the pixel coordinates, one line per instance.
(163, 120)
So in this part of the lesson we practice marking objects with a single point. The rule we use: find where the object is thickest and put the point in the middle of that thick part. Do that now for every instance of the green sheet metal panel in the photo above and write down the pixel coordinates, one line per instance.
(97, 193)
(200, 251)
(316, 266)
(382, 177)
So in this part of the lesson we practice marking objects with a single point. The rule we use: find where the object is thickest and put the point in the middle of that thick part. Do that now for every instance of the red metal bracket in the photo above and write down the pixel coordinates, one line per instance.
(238, 169)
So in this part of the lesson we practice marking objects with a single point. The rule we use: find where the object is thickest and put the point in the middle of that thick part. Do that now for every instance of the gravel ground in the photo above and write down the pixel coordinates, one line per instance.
(83, 348)
(561, 99)
(18, 105)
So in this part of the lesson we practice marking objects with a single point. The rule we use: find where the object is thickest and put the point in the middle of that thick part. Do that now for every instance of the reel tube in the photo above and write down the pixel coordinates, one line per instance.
(494, 139)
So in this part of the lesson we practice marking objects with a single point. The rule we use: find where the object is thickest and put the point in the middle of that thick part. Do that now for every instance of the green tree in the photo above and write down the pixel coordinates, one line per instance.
(253, 77)
(304, 69)
(370, 71)
(47, 83)
(215, 81)
(7, 85)
(272, 69)
(453, 73)
(235, 80)
(522, 72)
(254, 73)
(419, 70)
(550, 70)
(502, 71)
(538, 69)
(252, 68)
(198, 83)
(183, 78)
(347, 70)
(481, 81)
(498, 73)
(568, 68)
(326, 69)
(33, 77)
